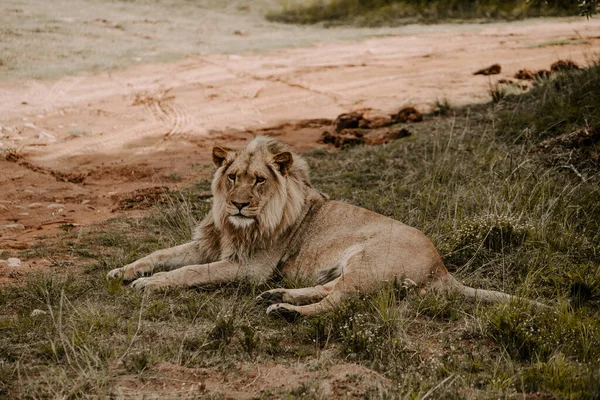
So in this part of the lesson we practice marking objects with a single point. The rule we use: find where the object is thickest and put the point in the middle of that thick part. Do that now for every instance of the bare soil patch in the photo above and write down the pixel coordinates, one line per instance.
(248, 380)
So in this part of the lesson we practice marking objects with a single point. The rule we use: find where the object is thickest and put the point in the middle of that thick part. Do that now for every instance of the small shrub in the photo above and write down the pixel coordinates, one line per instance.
(442, 107)
(248, 341)
(537, 335)
(138, 362)
(222, 333)
(194, 343)
(47, 289)
(366, 328)
(114, 286)
(51, 351)
(494, 233)
(588, 8)
(497, 92)
(178, 217)
(274, 346)
(157, 310)
(562, 377)
(444, 306)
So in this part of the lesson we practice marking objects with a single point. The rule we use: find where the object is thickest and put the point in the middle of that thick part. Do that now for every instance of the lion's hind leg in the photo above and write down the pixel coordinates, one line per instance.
(300, 296)
(334, 292)
(349, 277)
(290, 312)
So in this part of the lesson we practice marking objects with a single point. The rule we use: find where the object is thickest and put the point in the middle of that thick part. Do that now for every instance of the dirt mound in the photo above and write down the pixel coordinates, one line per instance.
(369, 127)
(528, 75)
(346, 138)
(364, 120)
(558, 66)
(348, 121)
(353, 137)
(525, 74)
(564, 65)
(408, 114)
(494, 69)
(390, 135)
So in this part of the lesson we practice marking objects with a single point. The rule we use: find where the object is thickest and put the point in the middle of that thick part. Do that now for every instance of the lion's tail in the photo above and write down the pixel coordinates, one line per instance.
(487, 296)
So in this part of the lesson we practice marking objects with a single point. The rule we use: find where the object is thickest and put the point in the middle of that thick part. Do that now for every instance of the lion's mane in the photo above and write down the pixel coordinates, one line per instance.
(279, 213)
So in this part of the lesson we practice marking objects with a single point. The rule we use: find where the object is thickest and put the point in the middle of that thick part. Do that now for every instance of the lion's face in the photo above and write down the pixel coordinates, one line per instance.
(250, 188)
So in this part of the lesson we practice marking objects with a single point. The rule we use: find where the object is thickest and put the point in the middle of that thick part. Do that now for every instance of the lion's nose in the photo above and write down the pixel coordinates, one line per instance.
(239, 205)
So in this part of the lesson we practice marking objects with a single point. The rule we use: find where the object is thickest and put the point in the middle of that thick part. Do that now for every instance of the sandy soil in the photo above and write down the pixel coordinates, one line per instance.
(249, 381)
(79, 145)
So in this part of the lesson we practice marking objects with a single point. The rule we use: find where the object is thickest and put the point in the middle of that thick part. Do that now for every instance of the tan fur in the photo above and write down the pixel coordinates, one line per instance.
(267, 217)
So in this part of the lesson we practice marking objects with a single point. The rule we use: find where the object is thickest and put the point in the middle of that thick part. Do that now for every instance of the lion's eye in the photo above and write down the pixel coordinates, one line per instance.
(231, 177)
(260, 179)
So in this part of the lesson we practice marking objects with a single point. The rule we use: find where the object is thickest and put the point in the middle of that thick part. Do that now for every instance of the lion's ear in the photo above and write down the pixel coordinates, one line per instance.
(220, 155)
(283, 161)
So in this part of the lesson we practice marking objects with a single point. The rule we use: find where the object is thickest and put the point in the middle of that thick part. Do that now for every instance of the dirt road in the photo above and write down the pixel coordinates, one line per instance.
(78, 146)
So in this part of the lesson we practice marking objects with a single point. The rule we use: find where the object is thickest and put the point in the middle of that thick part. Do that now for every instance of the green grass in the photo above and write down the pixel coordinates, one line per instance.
(558, 119)
(394, 12)
(561, 117)
(566, 103)
(502, 216)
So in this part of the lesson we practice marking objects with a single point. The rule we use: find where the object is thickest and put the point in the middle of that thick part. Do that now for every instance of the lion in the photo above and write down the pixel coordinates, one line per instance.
(266, 218)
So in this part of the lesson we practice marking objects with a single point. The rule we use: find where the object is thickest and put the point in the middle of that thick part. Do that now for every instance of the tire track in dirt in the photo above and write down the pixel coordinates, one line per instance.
(257, 107)
(174, 117)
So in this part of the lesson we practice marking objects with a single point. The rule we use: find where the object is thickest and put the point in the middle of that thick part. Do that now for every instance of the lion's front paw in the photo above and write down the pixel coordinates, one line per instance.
(117, 273)
(155, 282)
(126, 273)
(283, 310)
(130, 271)
(270, 297)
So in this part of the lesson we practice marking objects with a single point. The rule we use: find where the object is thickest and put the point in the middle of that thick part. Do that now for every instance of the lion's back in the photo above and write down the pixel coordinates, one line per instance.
(338, 230)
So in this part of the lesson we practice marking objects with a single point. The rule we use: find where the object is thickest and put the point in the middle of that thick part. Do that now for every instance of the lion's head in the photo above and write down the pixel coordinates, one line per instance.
(260, 191)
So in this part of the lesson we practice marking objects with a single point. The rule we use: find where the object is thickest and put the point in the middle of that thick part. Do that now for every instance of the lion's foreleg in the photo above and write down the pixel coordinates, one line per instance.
(216, 273)
(171, 258)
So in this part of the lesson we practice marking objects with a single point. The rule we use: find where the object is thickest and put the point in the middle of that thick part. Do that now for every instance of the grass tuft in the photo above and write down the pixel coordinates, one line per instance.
(562, 377)
(367, 329)
(540, 335)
